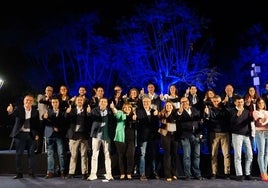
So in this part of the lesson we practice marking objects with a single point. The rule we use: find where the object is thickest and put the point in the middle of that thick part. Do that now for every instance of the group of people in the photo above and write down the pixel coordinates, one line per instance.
(136, 126)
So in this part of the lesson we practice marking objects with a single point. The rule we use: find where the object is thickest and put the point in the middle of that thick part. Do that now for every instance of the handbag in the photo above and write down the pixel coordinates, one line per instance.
(162, 131)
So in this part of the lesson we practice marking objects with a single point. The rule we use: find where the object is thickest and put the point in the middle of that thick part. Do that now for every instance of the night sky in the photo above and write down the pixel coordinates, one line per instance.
(22, 21)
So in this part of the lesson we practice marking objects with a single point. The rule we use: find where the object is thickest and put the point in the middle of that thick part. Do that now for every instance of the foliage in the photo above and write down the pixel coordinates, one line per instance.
(160, 43)
(159, 46)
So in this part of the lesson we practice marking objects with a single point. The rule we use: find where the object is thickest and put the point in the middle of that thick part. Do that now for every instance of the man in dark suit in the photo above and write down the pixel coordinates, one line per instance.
(190, 135)
(25, 132)
(53, 120)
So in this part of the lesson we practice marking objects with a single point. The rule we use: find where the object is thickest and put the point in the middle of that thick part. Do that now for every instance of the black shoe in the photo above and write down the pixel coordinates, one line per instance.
(227, 176)
(143, 177)
(70, 176)
(187, 178)
(213, 177)
(31, 175)
(249, 177)
(62, 175)
(18, 176)
(239, 178)
(199, 178)
(156, 176)
(84, 176)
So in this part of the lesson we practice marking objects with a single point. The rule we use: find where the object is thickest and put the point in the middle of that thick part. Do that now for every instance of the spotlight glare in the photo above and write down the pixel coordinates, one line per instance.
(1, 82)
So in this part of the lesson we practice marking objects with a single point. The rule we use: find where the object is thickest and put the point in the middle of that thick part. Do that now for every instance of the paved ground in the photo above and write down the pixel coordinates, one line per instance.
(6, 181)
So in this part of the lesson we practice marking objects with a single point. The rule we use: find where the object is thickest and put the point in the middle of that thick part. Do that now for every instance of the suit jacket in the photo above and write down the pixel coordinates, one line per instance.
(97, 120)
(19, 115)
(147, 126)
(54, 121)
(77, 119)
(189, 124)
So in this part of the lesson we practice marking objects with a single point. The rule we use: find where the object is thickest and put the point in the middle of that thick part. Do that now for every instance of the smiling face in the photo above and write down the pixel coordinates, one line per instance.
(28, 102)
(103, 103)
(127, 108)
(146, 103)
(261, 104)
(169, 106)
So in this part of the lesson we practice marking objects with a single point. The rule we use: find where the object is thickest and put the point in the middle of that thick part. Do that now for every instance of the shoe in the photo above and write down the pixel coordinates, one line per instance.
(199, 178)
(109, 177)
(187, 178)
(129, 177)
(70, 176)
(239, 178)
(143, 177)
(169, 179)
(84, 176)
(62, 175)
(264, 177)
(156, 176)
(18, 176)
(174, 177)
(213, 177)
(92, 177)
(227, 176)
(122, 177)
(32, 175)
(49, 175)
(249, 177)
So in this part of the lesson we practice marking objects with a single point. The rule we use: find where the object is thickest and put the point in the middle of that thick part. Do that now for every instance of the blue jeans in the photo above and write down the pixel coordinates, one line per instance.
(241, 142)
(261, 138)
(189, 146)
(151, 149)
(55, 144)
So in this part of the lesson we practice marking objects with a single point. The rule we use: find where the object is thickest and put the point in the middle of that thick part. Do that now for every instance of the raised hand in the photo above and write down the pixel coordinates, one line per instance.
(88, 109)
(68, 110)
(10, 109)
(45, 115)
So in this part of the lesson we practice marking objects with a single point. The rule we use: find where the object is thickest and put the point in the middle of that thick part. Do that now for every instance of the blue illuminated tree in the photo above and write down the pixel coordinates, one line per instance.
(73, 55)
(161, 43)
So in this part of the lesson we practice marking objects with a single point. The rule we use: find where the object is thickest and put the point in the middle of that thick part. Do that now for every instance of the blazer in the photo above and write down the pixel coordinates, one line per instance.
(189, 124)
(97, 120)
(19, 115)
(147, 127)
(54, 121)
(77, 119)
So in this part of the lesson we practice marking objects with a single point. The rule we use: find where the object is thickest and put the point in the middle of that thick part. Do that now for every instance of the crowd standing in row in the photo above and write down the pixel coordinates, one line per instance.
(136, 126)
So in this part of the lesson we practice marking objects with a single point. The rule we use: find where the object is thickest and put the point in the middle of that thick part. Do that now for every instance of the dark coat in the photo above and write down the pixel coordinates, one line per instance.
(189, 124)
(19, 114)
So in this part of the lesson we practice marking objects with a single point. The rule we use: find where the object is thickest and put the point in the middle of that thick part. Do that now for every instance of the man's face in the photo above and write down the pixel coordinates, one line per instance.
(151, 88)
(216, 101)
(28, 101)
(99, 92)
(79, 101)
(185, 103)
(103, 104)
(146, 103)
(82, 91)
(55, 103)
(49, 91)
(239, 103)
(193, 90)
(229, 90)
